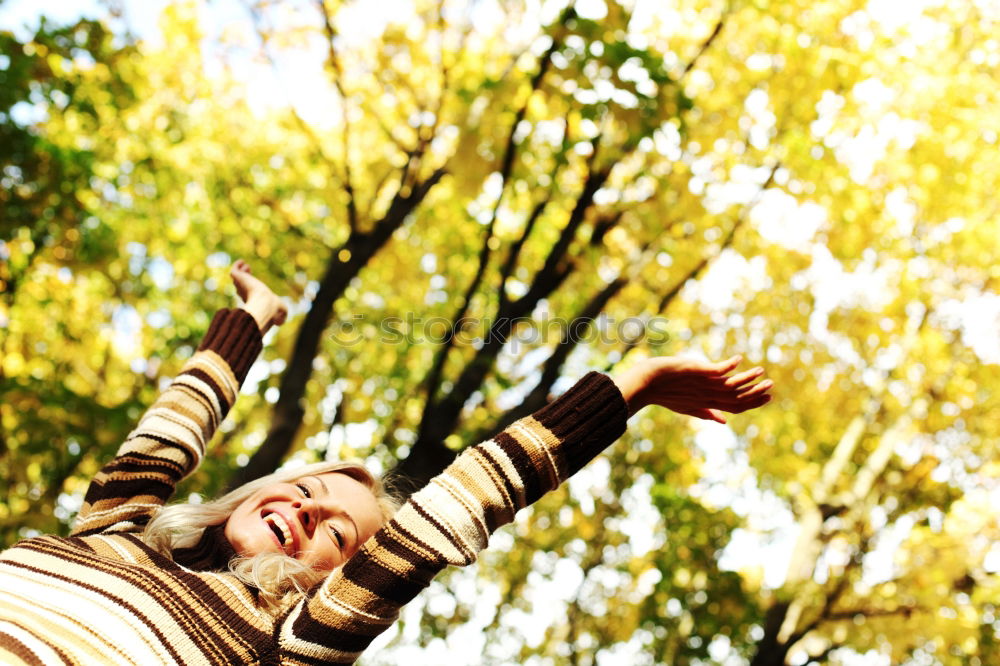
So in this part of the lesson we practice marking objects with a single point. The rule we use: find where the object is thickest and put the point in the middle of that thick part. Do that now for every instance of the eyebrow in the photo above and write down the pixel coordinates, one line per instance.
(326, 491)
(320, 481)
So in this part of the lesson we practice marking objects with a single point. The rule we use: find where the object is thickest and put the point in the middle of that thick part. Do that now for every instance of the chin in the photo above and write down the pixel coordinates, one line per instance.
(250, 542)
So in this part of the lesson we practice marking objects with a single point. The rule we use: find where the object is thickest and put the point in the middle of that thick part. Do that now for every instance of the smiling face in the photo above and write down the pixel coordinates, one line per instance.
(320, 520)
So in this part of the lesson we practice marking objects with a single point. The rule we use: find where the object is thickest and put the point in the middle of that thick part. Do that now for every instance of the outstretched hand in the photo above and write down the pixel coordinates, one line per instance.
(264, 305)
(695, 388)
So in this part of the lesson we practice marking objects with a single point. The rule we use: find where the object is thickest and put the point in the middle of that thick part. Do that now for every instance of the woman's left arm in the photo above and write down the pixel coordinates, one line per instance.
(169, 441)
(450, 520)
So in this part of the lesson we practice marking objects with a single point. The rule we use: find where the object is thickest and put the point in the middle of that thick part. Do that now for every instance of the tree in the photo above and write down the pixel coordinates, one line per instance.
(471, 224)
(47, 203)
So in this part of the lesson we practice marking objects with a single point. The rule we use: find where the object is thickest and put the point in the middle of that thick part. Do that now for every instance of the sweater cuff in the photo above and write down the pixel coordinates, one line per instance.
(586, 419)
(233, 335)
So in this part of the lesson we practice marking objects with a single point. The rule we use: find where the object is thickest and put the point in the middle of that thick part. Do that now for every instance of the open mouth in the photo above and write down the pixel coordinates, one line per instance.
(281, 529)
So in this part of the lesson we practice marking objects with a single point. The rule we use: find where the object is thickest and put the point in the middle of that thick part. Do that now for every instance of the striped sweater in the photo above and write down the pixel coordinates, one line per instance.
(102, 596)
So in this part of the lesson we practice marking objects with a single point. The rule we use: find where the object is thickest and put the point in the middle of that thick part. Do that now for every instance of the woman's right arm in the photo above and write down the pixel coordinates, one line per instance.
(169, 441)
(451, 519)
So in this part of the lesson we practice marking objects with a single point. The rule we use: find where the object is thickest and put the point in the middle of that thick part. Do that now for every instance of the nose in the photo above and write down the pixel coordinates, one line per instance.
(307, 512)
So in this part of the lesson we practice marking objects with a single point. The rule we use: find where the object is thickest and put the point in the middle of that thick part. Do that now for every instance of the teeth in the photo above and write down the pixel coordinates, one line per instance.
(280, 523)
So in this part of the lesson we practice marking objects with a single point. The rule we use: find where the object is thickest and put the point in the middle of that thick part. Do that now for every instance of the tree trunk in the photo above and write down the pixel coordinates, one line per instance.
(771, 651)
(429, 456)
(289, 410)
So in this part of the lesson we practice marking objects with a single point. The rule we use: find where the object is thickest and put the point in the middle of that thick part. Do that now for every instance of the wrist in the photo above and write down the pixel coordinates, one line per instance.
(631, 385)
(259, 315)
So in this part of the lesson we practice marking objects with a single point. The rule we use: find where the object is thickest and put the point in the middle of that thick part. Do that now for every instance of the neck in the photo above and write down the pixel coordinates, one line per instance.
(212, 552)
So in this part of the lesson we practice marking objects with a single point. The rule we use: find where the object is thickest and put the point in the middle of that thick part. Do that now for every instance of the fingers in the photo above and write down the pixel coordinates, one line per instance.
(280, 317)
(758, 401)
(729, 403)
(704, 389)
(753, 397)
(704, 414)
(723, 367)
(715, 415)
(736, 381)
(239, 273)
(756, 389)
(709, 369)
(259, 300)
(700, 400)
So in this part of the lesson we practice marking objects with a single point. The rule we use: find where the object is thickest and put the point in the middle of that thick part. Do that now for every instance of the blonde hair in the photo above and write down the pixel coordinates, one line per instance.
(280, 579)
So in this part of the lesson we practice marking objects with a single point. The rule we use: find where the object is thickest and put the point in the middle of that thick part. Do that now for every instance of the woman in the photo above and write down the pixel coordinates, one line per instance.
(305, 566)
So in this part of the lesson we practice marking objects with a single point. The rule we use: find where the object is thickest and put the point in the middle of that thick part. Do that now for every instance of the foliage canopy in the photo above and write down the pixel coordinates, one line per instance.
(812, 185)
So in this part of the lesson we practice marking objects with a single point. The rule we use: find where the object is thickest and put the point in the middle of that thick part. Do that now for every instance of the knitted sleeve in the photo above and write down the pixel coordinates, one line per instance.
(450, 521)
(169, 442)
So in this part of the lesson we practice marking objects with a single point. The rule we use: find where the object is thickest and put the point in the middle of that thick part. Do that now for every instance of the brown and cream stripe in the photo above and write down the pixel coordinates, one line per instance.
(102, 596)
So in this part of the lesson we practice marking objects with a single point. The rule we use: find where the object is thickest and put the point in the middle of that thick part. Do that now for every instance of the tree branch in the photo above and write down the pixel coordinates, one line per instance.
(769, 651)
(433, 380)
(358, 249)
(514, 252)
(700, 267)
(873, 612)
(440, 417)
(554, 261)
(333, 62)
(706, 44)
(306, 128)
(552, 368)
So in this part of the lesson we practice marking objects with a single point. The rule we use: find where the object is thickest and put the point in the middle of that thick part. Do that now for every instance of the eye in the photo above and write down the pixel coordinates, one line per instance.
(304, 488)
(337, 536)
